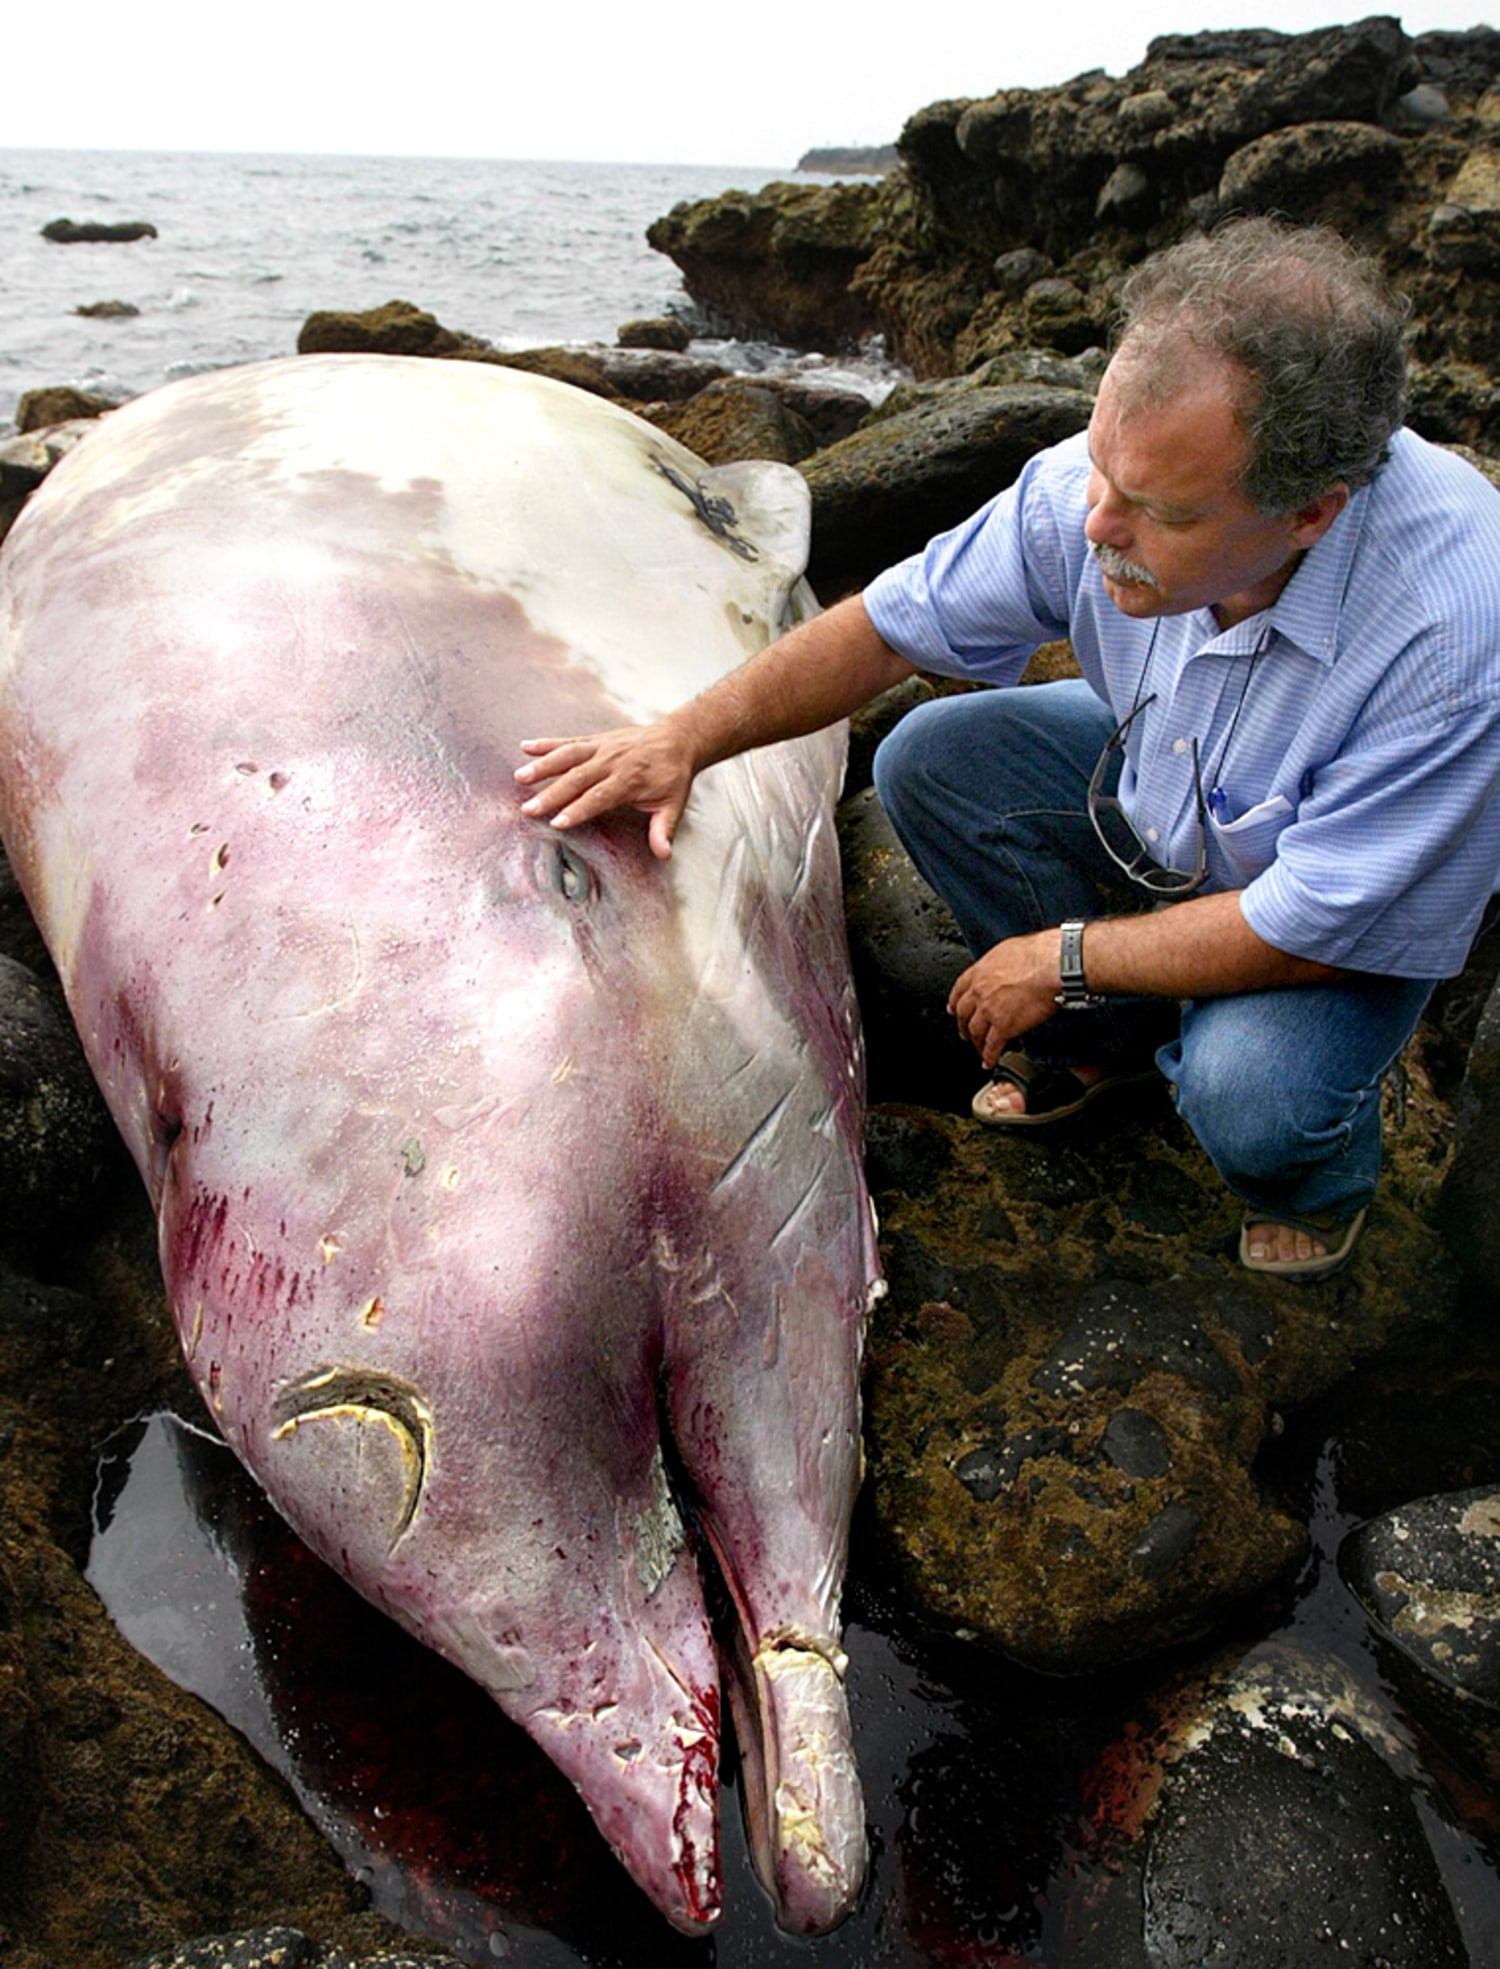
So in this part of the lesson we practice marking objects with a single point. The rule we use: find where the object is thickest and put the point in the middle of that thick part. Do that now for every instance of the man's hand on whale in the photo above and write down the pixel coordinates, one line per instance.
(650, 767)
(816, 674)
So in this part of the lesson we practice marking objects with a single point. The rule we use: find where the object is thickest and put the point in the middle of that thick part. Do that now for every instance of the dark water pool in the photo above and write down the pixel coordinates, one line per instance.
(976, 1774)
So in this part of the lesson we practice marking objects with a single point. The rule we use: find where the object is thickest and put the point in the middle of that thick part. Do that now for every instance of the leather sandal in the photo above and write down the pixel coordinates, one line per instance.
(1340, 1234)
(1048, 1093)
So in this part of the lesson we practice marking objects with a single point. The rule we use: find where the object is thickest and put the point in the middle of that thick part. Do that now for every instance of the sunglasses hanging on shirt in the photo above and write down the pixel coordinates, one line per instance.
(1106, 813)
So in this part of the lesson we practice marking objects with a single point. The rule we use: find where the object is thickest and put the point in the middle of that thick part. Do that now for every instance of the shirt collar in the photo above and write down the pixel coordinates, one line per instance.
(1307, 610)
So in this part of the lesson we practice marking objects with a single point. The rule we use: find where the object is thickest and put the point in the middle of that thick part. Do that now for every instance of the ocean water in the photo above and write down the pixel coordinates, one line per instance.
(523, 254)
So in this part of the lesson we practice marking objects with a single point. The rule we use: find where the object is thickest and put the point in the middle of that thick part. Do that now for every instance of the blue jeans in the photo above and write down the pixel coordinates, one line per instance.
(1282, 1088)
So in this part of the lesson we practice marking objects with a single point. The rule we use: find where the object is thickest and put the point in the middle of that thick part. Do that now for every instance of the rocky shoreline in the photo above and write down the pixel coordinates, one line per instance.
(1075, 1396)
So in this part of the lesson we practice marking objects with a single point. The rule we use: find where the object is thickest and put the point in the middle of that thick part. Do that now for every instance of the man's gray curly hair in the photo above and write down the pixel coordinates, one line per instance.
(1313, 325)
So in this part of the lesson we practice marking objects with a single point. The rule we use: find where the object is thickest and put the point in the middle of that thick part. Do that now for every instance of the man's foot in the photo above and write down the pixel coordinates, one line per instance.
(1298, 1247)
(1023, 1093)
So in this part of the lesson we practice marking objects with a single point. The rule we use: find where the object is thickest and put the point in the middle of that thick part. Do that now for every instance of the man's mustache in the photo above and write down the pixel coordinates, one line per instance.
(1118, 568)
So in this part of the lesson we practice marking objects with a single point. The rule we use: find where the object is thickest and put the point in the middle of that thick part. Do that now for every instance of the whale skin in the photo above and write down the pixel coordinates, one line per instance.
(508, 1183)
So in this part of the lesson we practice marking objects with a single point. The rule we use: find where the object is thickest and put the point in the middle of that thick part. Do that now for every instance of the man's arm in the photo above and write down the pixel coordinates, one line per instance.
(816, 674)
(1201, 948)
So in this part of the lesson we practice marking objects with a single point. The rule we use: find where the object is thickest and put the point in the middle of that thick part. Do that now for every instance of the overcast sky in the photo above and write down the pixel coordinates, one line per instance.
(756, 82)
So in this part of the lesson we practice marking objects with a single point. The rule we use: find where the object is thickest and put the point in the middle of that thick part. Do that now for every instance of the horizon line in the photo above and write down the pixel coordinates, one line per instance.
(423, 157)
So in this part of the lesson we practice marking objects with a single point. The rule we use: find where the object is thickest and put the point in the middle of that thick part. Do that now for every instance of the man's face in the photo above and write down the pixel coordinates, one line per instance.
(1167, 519)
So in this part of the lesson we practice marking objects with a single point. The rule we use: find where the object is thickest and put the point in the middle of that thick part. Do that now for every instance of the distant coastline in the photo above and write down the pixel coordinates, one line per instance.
(871, 160)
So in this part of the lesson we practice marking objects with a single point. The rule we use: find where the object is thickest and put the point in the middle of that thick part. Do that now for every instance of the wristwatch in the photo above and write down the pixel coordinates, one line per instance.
(1075, 995)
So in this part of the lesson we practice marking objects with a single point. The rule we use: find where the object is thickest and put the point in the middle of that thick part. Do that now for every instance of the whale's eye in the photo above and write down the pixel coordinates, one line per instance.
(571, 876)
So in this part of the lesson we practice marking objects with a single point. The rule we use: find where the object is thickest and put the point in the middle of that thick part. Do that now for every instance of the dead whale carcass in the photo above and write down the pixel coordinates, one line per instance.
(484, 1159)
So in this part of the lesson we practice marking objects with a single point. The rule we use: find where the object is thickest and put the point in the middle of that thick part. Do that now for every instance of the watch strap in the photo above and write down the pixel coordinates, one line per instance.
(1074, 995)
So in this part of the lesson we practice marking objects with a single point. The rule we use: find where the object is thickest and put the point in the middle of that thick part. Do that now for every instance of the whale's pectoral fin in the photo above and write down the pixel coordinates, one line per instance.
(762, 512)
(772, 509)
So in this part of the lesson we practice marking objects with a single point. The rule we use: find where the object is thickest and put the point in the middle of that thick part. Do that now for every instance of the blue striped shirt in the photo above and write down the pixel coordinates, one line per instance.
(1356, 806)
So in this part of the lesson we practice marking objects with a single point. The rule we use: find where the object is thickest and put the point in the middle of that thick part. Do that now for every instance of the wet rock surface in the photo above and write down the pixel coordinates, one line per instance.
(1428, 1577)
(55, 1132)
(280, 1948)
(652, 375)
(1072, 1380)
(1073, 1383)
(132, 1816)
(1268, 1821)
(906, 951)
(1467, 1209)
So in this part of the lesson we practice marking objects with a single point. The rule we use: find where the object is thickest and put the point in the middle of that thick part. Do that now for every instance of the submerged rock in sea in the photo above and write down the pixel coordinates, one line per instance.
(1269, 1819)
(71, 232)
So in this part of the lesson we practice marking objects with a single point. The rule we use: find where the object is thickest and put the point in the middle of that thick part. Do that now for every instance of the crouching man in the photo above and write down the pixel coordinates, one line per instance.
(1242, 848)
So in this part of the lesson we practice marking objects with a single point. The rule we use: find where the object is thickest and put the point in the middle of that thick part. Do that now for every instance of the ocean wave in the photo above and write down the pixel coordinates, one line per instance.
(176, 371)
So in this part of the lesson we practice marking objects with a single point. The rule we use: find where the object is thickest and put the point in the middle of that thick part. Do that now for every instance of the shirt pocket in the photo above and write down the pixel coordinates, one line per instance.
(1248, 845)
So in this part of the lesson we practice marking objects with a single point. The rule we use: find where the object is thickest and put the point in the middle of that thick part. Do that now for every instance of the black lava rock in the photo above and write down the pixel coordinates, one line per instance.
(54, 1128)
(1428, 1578)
